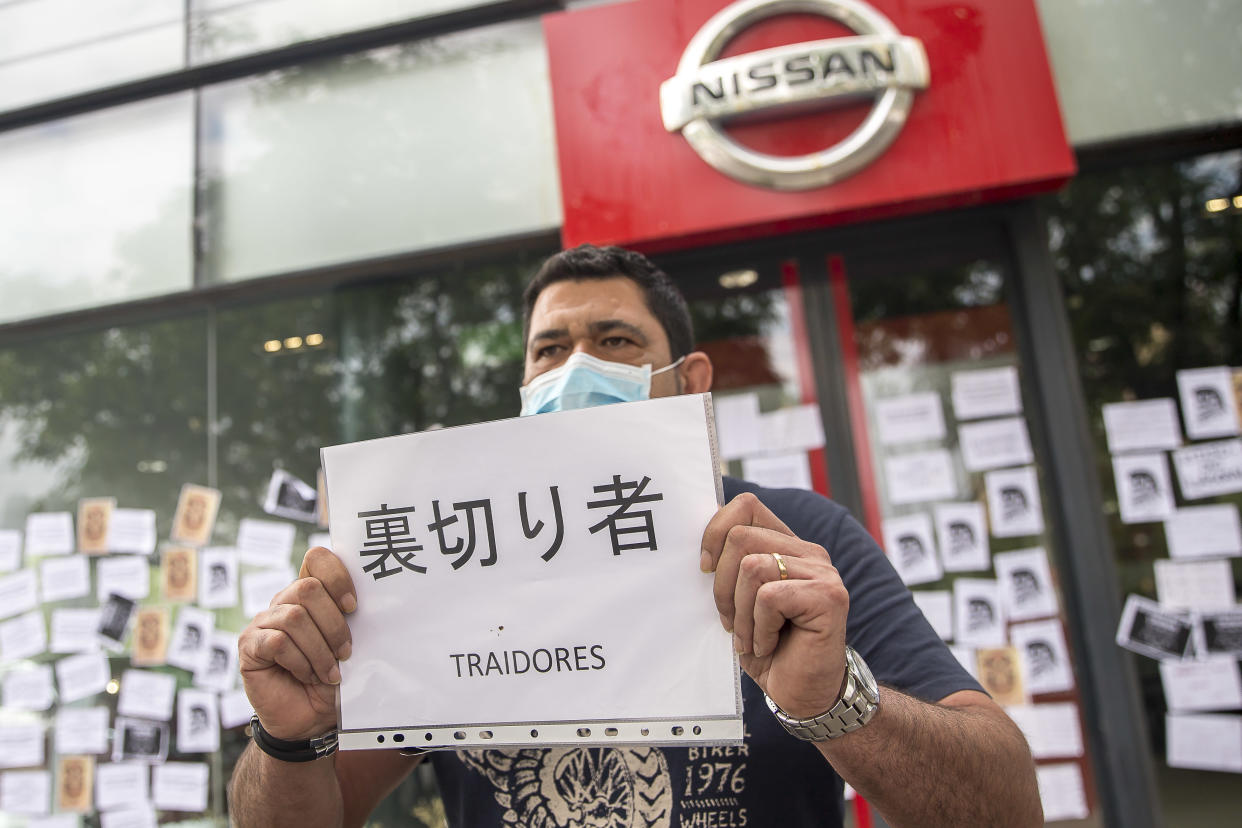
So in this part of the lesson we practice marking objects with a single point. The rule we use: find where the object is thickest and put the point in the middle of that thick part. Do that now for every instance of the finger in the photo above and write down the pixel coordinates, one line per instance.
(745, 540)
(312, 594)
(743, 510)
(264, 648)
(322, 564)
(817, 606)
(295, 621)
(755, 571)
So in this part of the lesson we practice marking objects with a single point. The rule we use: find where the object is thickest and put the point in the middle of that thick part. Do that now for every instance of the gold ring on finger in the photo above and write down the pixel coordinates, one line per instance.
(780, 564)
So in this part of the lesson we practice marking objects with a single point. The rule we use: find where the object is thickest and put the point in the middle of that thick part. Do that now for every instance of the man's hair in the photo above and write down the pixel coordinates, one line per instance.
(587, 261)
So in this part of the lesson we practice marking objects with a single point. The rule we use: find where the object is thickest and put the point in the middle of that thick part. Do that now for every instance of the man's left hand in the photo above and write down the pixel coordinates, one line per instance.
(790, 632)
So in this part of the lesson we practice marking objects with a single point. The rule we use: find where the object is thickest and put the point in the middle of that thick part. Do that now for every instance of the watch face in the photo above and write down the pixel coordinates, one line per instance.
(865, 679)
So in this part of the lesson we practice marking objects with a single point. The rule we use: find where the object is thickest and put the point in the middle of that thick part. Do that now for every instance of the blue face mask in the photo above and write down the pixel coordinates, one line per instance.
(584, 381)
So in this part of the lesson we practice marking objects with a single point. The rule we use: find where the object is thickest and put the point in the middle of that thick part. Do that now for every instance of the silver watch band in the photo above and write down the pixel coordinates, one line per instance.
(857, 705)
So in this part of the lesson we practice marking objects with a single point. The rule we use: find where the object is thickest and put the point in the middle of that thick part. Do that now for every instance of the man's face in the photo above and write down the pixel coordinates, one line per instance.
(606, 318)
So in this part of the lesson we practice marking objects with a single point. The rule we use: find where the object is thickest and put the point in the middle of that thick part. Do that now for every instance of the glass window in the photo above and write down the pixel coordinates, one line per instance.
(53, 48)
(228, 28)
(1150, 257)
(427, 144)
(96, 209)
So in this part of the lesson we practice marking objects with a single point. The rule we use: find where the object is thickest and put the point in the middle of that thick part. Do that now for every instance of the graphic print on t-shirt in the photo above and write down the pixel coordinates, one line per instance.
(578, 787)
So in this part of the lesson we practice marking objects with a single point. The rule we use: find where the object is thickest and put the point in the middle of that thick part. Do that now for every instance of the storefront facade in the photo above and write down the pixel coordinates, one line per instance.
(270, 229)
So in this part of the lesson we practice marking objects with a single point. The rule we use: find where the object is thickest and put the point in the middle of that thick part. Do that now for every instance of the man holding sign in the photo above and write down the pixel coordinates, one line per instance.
(811, 601)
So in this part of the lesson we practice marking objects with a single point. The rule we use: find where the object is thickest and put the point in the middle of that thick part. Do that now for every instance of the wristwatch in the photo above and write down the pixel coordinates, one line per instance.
(860, 698)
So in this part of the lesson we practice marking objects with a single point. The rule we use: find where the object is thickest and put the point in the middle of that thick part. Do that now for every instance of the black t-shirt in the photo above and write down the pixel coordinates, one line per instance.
(772, 779)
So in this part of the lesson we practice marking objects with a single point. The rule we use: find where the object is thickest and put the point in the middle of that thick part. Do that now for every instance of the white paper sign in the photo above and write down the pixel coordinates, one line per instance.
(1026, 584)
(64, 578)
(1208, 406)
(180, 786)
(30, 689)
(142, 816)
(1206, 741)
(219, 670)
(217, 578)
(1052, 730)
(992, 392)
(978, 614)
(962, 530)
(1204, 532)
(475, 644)
(912, 418)
(120, 785)
(1194, 584)
(79, 676)
(191, 635)
(259, 588)
(49, 533)
(23, 636)
(994, 444)
(235, 709)
(81, 730)
(779, 471)
(18, 593)
(147, 694)
(21, 745)
(1209, 469)
(26, 792)
(796, 428)
(1013, 502)
(75, 630)
(132, 531)
(1144, 490)
(128, 576)
(1202, 685)
(1062, 792)
(10, 550)
(920, 476)
(911, 548)
(937, 607)
(1045, 658)
(198, 721)
(265, 543)
(1145, 425)
(738, 428)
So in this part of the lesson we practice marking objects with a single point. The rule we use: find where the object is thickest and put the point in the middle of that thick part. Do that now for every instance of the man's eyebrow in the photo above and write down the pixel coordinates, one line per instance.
(549, 333)
(608, 325)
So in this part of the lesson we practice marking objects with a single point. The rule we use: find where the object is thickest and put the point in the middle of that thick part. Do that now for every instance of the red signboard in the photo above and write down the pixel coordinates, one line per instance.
(985, 127)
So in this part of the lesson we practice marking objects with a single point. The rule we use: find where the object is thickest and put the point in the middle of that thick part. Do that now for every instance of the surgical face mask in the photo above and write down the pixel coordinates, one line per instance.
(584, 381)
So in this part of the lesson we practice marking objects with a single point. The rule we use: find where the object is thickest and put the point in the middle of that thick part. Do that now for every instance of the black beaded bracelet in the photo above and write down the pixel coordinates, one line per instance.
(302, 750)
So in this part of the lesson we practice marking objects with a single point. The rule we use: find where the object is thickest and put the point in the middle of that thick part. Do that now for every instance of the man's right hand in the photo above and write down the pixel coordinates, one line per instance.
(288, 654)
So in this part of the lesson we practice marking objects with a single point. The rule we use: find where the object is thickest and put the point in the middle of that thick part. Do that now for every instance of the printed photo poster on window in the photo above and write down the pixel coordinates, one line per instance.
(978, 613)
(920, 477)
(198, 721)
(995, 444)
(1154, 631)
(188, 648)
(912, 418)
(990, 392)
(1209, 469)
(1013, 502)
(218, 577)
(1218, 633)
(1026, 584)
(1208, 405)
(595, 527)
(962, 530)
(1144, 490)
(1000, 673)
(1045, 657)
(94, 515)
(911, 548)
(196, 515)
(1204, 532)
(1144, 425)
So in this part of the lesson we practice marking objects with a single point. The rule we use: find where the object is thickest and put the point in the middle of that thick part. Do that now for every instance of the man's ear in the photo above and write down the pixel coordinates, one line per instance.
(696, 373)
